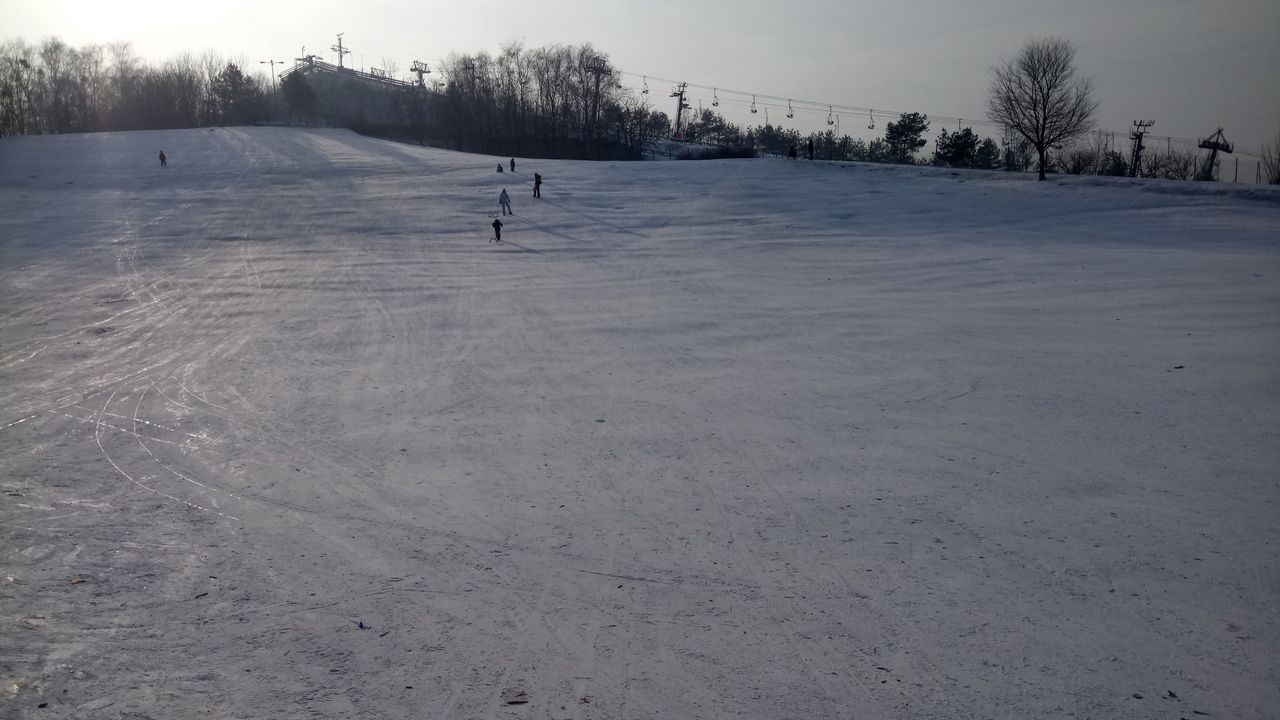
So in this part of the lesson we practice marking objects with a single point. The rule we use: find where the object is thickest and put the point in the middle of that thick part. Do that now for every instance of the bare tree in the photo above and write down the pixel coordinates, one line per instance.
(1037, 95)
(18, 75)
(1173, 163)
(1271, 162)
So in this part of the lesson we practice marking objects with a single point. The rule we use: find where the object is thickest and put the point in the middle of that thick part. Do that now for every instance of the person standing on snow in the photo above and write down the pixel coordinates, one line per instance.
(163, 162)
(497, 230)
(505, 201)
(537, 185)
(513, 164)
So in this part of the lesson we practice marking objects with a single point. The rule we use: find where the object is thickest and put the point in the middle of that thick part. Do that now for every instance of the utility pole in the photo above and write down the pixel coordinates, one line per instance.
(1140, 128)
(681, 105)
(272, 63)
(340, 50)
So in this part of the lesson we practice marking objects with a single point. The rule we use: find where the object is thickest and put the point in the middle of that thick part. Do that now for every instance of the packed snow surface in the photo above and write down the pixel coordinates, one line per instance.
(285, 436)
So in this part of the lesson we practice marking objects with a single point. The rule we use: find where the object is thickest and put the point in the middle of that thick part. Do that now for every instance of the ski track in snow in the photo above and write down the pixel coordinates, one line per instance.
(285, 437)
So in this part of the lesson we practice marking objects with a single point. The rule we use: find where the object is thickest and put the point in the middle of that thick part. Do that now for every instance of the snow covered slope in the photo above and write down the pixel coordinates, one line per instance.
(285, 436)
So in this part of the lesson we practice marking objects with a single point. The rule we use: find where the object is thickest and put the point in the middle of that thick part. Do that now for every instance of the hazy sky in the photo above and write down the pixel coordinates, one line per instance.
(1190, 65)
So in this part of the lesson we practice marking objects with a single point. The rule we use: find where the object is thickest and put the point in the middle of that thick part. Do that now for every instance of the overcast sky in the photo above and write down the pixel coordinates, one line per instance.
(1189, 65)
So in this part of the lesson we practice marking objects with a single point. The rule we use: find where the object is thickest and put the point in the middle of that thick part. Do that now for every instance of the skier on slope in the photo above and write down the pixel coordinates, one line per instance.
(497, 230)
(537, 185)
(505, 201)
(513, 164)
(164, 162)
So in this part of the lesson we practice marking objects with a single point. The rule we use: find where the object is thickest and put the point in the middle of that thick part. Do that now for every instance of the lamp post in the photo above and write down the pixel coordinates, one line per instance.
(272, 63)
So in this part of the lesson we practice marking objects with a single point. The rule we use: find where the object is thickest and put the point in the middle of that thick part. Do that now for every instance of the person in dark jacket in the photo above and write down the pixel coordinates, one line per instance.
(537, 185)
(164, 162)
(497, 230)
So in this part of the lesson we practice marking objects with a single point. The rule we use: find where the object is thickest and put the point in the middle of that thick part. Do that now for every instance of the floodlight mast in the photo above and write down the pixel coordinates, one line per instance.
(1140, 129)
(340, 50)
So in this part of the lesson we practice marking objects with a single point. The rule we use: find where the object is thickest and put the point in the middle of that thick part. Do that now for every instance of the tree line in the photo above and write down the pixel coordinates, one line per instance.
(52, 87)
(553, 101)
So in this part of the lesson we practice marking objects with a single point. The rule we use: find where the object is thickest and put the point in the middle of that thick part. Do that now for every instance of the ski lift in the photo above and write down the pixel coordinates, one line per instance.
(871, 121)
(830, 119)
(790, 113)
(753, 104)
(837, 123)
(645, 91)
(715, 99)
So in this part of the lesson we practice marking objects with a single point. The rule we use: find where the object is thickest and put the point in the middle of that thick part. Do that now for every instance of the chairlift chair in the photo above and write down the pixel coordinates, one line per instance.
(871, 120)
(830, 119)
(790, 113)
(753, 104)
(645, 91)
(715, 99)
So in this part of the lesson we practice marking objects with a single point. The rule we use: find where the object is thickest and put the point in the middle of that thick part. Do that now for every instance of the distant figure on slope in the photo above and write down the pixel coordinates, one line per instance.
(513, 164)
(499, 167)
(505, 201)
(497, 230)
(537, 185)
(164, 162)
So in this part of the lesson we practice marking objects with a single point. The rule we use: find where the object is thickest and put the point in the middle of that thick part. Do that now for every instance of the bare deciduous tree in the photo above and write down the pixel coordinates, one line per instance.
(1271, 162)
(1037, 95)
(1174, 163)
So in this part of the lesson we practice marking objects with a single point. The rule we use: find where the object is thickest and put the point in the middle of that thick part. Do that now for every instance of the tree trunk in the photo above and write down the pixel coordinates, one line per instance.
(1043, 151)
